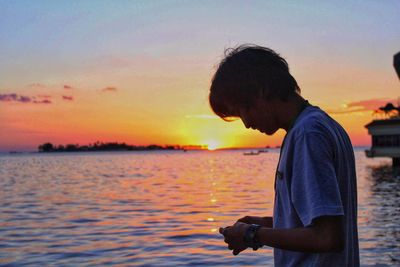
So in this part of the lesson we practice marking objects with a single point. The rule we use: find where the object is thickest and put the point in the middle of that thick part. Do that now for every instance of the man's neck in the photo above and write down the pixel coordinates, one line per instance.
(292, 109)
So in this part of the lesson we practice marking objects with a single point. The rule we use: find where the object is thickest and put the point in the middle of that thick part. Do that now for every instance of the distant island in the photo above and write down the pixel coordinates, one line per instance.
(100, 146)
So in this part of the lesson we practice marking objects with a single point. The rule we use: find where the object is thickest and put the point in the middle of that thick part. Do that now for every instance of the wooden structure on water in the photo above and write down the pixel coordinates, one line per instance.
(385, 133)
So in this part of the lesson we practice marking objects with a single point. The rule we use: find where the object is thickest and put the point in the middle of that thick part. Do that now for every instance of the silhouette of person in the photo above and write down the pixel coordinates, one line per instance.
(314, 222)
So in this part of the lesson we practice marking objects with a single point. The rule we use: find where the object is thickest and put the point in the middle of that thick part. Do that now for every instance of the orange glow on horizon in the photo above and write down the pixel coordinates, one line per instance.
(121, 117)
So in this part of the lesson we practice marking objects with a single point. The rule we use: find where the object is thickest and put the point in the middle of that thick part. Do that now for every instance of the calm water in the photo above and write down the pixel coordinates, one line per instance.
(162, 208)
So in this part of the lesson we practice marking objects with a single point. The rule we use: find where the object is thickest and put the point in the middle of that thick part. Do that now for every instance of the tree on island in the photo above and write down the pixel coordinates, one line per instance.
(46, 147)
(100, 146)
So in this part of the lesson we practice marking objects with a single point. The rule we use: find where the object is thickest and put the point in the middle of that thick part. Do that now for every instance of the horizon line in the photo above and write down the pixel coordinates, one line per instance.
(183, 148)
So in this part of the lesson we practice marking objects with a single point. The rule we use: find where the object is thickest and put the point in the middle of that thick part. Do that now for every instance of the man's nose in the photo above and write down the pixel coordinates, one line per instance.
(246, 124)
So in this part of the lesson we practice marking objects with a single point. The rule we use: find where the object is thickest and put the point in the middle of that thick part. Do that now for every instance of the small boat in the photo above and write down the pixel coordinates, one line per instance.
(251, 153)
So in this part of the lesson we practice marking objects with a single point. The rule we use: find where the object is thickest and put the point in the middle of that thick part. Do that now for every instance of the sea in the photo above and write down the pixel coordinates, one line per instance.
(163, 208)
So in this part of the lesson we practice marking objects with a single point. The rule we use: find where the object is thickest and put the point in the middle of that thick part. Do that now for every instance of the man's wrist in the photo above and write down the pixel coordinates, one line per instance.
(250, 236)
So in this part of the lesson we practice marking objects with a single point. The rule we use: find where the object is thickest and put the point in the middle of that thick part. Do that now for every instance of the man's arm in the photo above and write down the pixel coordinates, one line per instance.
(263, 221)
(324, 235)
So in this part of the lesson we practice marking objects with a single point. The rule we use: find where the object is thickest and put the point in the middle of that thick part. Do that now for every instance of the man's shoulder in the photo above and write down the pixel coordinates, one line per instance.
(313, 121)
(316, 124)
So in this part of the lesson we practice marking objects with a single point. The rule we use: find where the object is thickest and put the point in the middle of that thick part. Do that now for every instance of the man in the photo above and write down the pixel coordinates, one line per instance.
(315, 210)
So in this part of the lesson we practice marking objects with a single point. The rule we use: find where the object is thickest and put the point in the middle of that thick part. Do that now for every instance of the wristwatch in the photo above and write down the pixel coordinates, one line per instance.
(250, 238)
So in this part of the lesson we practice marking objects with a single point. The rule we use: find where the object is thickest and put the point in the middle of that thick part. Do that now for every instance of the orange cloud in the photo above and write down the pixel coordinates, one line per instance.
(109, 89)
(67, 87)
(371, 104)
(67, 98)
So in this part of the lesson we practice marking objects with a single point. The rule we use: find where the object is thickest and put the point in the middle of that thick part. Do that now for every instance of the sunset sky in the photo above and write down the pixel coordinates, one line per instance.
(139, 71)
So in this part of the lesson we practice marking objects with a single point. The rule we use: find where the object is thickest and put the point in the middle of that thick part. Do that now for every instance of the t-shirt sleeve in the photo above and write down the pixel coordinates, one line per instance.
(314, 187)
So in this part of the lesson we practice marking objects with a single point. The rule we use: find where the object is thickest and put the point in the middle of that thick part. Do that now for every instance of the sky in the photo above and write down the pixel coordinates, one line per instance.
(77, 72)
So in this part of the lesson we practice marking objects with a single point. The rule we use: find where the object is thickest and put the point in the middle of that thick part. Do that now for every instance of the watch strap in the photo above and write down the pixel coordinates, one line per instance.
(250, 237)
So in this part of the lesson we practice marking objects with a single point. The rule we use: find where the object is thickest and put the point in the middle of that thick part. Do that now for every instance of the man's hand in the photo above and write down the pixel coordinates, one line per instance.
(234, 236)
(251, 220)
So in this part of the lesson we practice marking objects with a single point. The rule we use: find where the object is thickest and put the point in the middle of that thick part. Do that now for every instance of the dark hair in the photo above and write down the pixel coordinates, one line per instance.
(246, 73)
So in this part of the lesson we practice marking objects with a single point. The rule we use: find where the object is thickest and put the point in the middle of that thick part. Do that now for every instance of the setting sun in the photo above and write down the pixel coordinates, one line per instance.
(213, 144)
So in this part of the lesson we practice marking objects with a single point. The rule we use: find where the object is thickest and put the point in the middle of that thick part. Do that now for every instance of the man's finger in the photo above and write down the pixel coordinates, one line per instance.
(238, 222)
(236, 252)
(241, 220)
(221, 230)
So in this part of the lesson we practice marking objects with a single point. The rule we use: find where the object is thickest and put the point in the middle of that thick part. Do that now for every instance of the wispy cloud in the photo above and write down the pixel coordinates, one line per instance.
(67, 98)
(372, 104)
(44, 101)
(346, 111)
(109, 89)
(363, 106)
(14, 98)
(201, 116)
(36, 85)
(44, 96)
(22, 99)
(67, 87)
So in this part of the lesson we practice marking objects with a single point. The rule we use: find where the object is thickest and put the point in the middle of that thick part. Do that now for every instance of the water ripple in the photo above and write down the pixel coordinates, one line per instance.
(162, 208)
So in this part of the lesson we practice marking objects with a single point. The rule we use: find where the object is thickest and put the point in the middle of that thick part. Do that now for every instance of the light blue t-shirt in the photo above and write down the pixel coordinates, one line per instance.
(316, 177)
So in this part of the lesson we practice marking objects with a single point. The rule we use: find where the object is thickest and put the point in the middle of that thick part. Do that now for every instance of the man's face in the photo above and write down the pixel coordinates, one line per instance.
(260, 116)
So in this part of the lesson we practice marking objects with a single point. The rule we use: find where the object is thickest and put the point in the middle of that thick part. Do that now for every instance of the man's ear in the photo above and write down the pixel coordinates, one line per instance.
(269, 103)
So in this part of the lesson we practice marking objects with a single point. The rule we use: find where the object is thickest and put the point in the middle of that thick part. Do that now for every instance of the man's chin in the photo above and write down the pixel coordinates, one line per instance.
(268, 132)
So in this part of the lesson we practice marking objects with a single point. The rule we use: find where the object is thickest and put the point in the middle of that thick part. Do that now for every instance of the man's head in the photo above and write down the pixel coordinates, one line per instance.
(247, 74)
